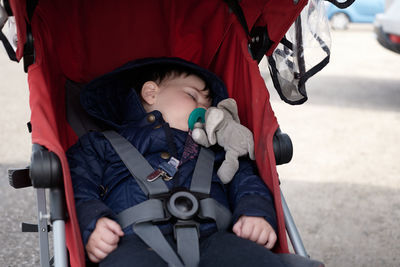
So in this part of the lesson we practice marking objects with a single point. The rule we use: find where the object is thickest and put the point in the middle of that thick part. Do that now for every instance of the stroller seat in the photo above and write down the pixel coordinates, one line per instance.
(81, 122)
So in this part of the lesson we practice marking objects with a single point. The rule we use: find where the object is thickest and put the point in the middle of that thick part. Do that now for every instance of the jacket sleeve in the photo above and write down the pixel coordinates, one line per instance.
(248, 194)
(87, 162)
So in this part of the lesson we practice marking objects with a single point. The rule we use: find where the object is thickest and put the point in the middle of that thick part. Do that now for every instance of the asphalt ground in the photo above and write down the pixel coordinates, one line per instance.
(342, 185)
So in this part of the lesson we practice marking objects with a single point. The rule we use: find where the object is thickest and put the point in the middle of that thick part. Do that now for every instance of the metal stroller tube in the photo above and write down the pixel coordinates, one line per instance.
(60, 252)
(293, 233)
(283, 151)
(57, 217)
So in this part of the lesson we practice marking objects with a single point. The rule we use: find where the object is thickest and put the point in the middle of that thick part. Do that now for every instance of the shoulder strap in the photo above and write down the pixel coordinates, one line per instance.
(202, 176)
(136, 164)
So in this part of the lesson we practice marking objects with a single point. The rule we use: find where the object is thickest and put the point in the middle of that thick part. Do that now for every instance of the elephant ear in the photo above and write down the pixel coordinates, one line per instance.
(230, 105)
(214, 118)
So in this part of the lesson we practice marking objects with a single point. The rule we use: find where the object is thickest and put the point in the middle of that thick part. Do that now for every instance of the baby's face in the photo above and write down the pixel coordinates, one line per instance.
(178, 97)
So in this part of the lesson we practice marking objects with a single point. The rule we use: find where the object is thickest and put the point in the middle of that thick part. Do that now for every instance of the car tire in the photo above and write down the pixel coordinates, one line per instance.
(340, 21)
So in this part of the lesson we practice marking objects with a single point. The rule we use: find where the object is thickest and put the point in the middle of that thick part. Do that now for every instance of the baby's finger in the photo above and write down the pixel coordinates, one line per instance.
(247, 230)
(271, 240)
(255, 234)
(262, 238)
(93, 258)
(114, 227)
(237, 228)
(109, 237)
(99, 254)
(107, 247)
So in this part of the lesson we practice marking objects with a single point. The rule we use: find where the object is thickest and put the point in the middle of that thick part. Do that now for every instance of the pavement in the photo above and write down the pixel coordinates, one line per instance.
(342, 185)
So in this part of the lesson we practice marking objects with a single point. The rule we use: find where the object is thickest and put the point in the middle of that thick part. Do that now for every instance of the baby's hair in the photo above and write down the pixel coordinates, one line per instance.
(160, 72)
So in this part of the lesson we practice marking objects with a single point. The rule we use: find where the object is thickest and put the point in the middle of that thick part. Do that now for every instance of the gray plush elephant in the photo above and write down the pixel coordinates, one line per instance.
(222, 126)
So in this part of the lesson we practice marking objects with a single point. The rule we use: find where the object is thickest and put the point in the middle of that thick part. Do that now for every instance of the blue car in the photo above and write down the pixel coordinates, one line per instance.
(361, 11)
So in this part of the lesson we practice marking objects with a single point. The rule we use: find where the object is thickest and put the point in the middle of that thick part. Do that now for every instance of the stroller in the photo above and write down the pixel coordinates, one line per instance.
(66, 44)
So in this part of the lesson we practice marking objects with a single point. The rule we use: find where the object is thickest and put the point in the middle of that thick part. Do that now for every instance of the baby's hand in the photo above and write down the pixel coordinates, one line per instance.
(104, 239)
(256, 229)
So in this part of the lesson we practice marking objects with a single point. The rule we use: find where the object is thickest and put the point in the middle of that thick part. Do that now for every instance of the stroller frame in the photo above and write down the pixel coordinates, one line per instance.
(46, 170)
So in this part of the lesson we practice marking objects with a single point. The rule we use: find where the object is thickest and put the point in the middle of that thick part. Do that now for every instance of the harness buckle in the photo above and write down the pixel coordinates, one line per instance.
(183, 205)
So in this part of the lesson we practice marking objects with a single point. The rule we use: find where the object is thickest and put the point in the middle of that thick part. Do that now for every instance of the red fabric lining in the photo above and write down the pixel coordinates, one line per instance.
(81, 40)
(19, 10)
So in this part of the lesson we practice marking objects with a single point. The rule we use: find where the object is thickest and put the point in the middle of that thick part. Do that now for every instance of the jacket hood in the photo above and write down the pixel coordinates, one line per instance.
(112, 99)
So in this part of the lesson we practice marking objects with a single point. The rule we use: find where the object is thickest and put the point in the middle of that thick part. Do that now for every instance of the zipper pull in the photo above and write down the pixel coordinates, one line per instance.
(155, 175)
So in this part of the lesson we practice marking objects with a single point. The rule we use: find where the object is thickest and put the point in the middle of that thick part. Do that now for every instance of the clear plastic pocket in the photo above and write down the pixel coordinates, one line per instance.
(304, 51)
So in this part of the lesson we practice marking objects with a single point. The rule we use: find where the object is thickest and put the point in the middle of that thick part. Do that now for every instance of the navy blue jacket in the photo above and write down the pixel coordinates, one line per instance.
(103, 185)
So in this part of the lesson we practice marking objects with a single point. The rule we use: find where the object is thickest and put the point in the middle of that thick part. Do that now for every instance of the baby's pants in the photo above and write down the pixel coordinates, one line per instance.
(219, 249)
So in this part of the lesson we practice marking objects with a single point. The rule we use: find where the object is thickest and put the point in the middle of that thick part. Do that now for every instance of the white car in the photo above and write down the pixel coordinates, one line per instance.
(387, 26)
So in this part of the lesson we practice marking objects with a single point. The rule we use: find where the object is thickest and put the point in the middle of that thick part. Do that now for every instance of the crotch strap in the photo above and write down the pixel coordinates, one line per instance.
(182, 206)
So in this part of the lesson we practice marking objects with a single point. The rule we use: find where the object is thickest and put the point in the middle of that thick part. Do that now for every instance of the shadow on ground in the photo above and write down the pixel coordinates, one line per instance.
(367, 93)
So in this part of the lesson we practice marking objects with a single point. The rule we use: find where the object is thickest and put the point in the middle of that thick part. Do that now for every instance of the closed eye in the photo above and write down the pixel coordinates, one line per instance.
(192, 94)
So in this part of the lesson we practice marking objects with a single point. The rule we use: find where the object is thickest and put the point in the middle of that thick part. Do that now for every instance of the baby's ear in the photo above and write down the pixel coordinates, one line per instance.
(149, 92)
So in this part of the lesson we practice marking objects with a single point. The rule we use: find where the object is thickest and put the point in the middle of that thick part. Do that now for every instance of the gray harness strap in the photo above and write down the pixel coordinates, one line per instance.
(202, 172)
(212, 209)
(142, 215)
(136, 164)
(152, 236)
(149, 210)
(187, 241)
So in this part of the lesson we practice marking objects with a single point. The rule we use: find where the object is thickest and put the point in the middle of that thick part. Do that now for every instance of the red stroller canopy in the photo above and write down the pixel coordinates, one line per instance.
(80, 40)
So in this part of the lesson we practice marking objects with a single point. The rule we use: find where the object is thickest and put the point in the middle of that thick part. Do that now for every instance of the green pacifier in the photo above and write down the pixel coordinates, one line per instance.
(197, 115)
